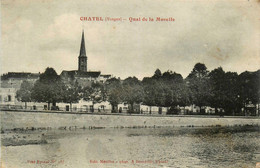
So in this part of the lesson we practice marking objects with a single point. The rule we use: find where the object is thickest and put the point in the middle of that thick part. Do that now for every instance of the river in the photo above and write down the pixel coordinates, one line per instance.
(175, 147)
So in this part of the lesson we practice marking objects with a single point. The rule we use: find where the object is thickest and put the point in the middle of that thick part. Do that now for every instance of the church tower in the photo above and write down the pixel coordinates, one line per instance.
(82, 66)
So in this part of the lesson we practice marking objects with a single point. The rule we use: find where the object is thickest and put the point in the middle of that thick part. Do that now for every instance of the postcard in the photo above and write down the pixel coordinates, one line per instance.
(116, 83)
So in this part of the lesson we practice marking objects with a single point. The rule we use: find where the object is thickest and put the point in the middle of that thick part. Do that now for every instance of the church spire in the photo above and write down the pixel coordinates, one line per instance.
(82, 52)
(82, 59)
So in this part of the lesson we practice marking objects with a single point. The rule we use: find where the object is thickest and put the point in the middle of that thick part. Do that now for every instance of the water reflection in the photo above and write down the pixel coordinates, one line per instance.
(174, 147)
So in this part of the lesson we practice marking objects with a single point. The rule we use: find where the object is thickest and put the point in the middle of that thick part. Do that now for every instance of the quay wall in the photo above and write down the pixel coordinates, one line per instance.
(14, 119)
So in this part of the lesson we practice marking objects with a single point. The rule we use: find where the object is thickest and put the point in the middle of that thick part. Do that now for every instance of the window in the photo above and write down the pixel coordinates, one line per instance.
(91, 107)
(9, 98)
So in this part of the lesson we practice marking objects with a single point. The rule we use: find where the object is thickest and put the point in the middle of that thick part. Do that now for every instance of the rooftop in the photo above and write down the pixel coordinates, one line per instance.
(20, 75)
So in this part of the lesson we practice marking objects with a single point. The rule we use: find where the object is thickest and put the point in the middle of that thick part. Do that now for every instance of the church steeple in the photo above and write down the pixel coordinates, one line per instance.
(82, 52)
(82, 66)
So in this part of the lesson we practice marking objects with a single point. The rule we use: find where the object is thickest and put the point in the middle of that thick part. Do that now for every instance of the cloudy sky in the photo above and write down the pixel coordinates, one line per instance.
(36, 34)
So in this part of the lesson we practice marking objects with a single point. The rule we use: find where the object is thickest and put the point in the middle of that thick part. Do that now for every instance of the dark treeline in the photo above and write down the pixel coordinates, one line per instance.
(227, 92)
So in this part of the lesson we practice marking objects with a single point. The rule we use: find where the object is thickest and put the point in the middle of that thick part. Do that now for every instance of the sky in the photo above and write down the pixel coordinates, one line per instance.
(36, 34)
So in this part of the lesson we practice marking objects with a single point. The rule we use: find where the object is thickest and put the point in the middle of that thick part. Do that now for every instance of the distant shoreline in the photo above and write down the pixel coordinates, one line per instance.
(20, 120)
(128, 114)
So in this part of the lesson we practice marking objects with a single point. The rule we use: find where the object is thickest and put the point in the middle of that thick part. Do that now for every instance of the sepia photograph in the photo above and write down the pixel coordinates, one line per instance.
(130, 84)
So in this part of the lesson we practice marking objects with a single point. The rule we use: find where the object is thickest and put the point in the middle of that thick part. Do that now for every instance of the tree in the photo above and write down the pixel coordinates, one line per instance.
(49, 88)
(131, 81)
(95, 93)
(132, 92)
(24, 93)
(185, 96)
(72, 93)
(218, 83)
(164, 90)
(155, 93)
(249, 83)
(224, 91)
(172, 77)
(232, 99)
(157, 73)
(200, 71)
(149, 86)
(173, 87)
(114, 90)
(198, 83)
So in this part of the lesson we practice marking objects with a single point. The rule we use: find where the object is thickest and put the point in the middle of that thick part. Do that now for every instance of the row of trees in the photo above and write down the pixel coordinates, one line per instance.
(50, 88)
(217, 88)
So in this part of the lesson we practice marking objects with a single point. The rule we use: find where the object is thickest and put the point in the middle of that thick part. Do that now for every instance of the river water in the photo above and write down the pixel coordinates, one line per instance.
(144, 147)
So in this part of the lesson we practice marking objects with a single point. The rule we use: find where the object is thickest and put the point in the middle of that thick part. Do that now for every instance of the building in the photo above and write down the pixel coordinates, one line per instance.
(82, 75)
(7, 96)
(15, 79)
(11, 82)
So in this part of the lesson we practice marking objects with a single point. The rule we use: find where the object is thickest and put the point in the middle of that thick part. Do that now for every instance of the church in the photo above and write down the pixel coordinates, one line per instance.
(82, 75)
(11, 81)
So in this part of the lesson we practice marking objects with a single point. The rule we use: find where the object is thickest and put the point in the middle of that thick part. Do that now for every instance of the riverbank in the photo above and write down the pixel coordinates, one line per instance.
(13, 120)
